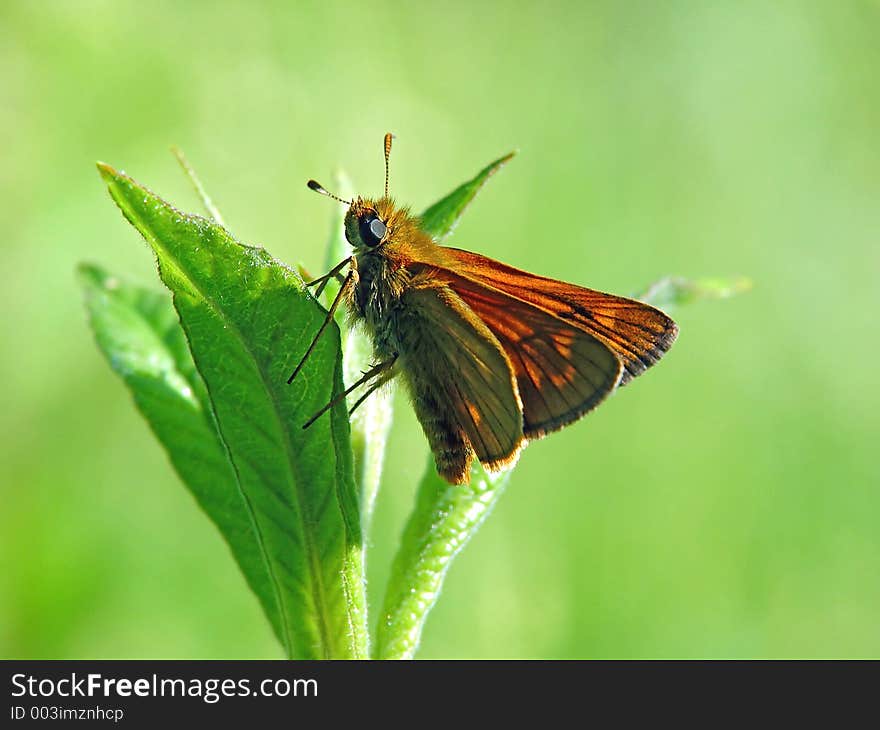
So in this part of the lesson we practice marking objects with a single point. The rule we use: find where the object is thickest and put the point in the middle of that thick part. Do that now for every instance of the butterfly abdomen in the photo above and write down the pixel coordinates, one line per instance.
(449, 444)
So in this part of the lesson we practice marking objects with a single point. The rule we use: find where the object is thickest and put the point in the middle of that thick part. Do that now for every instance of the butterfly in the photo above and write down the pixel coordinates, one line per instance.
(492, 356)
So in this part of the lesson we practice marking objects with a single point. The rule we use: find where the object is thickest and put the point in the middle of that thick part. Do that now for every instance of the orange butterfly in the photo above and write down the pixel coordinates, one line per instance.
(492, 356)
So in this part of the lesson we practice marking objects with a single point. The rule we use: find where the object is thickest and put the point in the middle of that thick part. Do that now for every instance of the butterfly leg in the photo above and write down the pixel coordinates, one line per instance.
(349, 281)
(388, 375)
(376, 370)
(310, 280)
(334, 273)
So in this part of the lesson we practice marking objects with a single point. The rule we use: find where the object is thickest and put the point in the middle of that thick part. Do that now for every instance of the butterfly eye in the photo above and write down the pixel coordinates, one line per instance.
(372, 229)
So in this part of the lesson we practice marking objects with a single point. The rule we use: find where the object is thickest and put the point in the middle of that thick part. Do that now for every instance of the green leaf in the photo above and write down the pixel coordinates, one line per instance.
(139, 333)
(247, 319)
(441, 218)
(674, 291)
(444, 519)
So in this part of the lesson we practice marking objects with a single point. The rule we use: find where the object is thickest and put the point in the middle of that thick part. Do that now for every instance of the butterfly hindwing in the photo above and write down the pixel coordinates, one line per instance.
(465, 393)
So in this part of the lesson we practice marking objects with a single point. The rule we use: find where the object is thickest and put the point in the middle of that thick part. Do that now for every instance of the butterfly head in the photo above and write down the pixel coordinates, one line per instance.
(369, 223)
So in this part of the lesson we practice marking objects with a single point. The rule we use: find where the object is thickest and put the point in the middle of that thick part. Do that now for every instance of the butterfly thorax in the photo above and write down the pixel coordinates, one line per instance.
(384, 254)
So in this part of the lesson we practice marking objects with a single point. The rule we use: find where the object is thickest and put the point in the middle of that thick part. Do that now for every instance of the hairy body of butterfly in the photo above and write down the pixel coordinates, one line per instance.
(492, 356)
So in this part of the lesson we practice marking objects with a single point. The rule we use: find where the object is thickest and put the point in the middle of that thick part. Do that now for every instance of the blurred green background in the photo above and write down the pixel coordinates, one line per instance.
(725, 505)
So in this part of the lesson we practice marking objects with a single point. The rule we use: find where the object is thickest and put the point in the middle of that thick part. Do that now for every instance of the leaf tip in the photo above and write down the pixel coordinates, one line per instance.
(742, 284)
(92, 276)
(107, 172)
(724, 288)
(87, 271)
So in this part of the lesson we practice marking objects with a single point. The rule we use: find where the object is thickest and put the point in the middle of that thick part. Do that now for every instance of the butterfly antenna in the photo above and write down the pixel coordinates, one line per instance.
(388, 138)
(318, 188)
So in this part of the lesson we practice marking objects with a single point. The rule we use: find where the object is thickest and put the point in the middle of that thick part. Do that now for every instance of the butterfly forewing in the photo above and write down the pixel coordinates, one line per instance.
(638, 334)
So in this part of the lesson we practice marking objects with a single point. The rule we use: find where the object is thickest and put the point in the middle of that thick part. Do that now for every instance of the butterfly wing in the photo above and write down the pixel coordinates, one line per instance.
(562, 372)
(569, 346)
(463, 389)
(637, 333)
